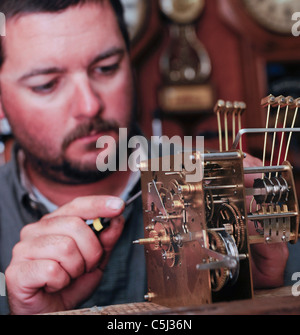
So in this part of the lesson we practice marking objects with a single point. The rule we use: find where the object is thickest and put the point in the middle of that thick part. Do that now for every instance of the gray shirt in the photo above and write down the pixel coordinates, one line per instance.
(124, 279)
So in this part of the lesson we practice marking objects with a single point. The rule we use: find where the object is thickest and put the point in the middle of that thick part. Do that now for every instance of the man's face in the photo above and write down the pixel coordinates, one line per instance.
(66, 81)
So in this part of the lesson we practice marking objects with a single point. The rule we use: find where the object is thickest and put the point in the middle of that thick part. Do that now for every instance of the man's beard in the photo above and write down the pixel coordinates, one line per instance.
(65, 171)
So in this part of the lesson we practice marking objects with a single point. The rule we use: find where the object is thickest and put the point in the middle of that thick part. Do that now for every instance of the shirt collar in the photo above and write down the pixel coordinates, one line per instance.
(36, 196)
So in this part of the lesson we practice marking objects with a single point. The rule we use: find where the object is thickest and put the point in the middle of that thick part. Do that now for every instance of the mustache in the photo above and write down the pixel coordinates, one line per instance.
(95, 126)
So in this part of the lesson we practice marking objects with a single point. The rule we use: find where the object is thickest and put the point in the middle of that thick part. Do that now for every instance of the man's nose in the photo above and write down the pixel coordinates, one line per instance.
(88, 102)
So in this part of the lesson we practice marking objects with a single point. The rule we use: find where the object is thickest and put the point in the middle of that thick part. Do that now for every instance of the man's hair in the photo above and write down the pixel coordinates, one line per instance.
(14, 8)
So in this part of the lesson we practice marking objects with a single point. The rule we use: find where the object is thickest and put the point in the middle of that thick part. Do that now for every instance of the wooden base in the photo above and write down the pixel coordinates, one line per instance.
(265, 302)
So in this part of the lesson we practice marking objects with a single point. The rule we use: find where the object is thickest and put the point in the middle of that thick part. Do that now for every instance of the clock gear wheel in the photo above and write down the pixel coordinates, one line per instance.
(230, 214)
(218, 277)
(224, 244)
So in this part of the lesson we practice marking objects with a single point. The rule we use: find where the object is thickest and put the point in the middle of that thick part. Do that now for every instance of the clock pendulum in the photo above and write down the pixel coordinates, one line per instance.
(185, 65)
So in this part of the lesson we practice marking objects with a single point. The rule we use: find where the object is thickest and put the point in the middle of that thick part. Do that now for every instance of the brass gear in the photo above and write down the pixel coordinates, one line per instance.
(219, 277)
(231, 214)
(209, 205)
(215, 242)
(169, 257)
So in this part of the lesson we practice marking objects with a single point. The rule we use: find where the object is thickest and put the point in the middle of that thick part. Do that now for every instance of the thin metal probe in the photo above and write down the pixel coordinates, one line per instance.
(290, 135)
(274, 137)
(265, 140)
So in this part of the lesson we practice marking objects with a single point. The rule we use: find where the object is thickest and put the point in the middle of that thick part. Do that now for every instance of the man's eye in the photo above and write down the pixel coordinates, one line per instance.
(109, 69)
(47, 88)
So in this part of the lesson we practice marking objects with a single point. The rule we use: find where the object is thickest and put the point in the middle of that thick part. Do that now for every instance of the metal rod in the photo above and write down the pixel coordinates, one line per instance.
(131, 200)
(261, 131)
(266, 169)
(226, 130)
(282, 135)
(233, 125)
(271, 216)
(220, 187)
(220, 156)
(219, 107)
(290, 135)
(274, 135)
(240, 127)
(216, 229)
(220, 131)
(266, 137)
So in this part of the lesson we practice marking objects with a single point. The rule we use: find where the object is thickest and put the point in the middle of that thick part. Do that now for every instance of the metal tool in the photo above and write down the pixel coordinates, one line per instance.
(99, 224)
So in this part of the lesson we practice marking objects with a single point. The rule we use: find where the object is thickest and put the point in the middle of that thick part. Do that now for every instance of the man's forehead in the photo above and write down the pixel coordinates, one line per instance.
(70, 19)
(75, 29)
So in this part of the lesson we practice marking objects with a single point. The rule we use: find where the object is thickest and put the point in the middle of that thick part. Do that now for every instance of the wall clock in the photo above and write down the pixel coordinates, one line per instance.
(182, 11)
(273, 15)
(136, 14)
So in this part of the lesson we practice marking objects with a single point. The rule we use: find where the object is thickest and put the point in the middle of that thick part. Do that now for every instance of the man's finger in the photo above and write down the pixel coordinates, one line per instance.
(73, 227)
(24, 283)
(91, 207)
(109, 237)
(59, 248)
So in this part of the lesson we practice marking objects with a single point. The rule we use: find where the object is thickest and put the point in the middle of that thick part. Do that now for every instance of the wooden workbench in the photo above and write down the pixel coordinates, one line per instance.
(265, 302)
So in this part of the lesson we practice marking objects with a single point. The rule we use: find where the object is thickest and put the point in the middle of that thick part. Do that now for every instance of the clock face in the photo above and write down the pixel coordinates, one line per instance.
(274, 15)
(182, 11)
(136, 13)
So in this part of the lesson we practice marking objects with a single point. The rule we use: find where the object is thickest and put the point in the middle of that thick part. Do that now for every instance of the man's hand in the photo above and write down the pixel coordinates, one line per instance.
(59, 261)
(268, 263)
(268, 260)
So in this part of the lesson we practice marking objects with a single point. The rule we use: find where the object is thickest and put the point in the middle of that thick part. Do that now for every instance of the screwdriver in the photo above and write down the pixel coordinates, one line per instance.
(99, 224)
